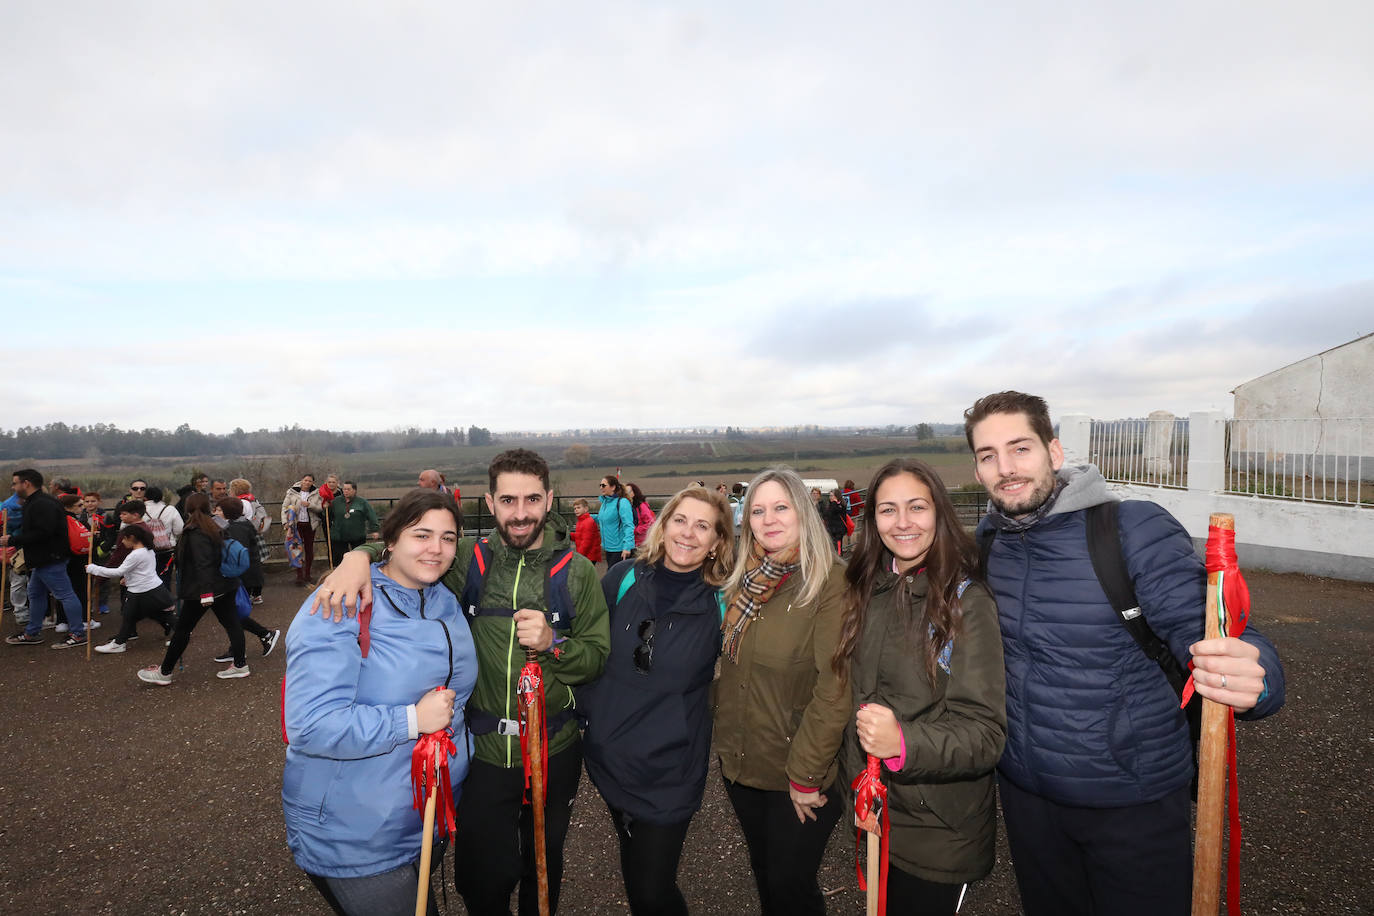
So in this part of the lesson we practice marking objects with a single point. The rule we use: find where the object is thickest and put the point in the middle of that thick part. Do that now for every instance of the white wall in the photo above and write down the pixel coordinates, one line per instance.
(1336, 383)
(1282, 535)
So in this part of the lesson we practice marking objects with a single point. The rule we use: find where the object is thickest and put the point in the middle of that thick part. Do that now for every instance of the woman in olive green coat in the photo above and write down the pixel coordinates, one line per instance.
(780, 707)
(923, 653)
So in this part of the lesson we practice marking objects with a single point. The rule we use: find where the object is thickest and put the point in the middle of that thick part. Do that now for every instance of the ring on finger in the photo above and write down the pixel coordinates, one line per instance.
(1223, 682)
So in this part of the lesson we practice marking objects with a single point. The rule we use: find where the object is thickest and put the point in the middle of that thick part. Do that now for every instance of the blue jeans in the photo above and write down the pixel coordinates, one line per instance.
(53, 579)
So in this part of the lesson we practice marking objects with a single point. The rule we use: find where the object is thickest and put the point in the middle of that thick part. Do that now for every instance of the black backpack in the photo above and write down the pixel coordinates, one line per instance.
(1109, 563)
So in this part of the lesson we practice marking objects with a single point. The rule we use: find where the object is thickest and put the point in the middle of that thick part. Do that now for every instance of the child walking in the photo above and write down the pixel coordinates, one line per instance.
(145, 595)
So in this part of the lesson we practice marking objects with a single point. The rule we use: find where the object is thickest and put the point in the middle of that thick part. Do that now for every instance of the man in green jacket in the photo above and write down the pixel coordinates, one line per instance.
(523, 588)
(352, 520)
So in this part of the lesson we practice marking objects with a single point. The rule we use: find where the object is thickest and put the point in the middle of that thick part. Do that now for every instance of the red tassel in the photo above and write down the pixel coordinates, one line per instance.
(430, 775)
(870, 808)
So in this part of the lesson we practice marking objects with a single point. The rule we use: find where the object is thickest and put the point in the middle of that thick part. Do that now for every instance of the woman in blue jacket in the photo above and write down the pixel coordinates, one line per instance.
(648, 738)
(616, 520)
(356, 698)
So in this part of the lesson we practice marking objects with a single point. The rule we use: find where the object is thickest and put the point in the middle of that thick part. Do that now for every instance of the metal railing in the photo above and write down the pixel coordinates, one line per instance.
(1311, 460)
(1149, 451)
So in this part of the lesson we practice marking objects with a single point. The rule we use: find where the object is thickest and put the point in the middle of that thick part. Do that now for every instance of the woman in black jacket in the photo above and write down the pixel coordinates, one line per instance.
(648, 736)
(201, 589)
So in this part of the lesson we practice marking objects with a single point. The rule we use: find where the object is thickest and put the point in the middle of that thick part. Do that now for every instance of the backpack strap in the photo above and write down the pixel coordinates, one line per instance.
(1109, 564)
(558, 600)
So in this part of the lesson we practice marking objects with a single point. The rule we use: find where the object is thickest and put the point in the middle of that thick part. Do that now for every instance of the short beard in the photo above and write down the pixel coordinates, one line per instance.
(525, 542)
(1040, 492)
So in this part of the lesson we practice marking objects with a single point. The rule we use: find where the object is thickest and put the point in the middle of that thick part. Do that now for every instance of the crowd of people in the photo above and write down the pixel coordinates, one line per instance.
(952, 668)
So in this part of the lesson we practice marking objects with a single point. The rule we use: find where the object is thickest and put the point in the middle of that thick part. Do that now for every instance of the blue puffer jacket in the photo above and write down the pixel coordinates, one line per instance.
(346, 789)
(1090, 720)
(617, 523)
(648, 739)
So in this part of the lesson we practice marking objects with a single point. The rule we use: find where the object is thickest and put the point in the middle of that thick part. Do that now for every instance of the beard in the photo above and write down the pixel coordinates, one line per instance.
(521, 543)
(1023, 503)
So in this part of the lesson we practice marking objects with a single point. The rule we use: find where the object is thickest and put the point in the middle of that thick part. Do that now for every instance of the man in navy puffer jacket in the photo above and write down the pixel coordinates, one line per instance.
(1095, 777)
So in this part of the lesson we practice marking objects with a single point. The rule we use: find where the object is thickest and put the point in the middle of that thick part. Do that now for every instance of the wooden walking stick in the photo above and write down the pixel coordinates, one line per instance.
(431, 790)
(5, 560)
(329, 541)
(870, 817)
(1228, 609)
(90, 558)
(534, 748)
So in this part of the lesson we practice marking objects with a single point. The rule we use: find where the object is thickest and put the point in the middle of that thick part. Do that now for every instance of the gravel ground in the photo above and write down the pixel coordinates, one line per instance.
(128, 799)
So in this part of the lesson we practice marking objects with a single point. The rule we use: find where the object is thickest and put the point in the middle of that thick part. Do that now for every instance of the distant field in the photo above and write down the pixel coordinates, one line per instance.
(659, 467)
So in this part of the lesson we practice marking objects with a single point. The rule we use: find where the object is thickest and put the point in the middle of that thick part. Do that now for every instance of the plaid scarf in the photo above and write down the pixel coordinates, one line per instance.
(762, 576)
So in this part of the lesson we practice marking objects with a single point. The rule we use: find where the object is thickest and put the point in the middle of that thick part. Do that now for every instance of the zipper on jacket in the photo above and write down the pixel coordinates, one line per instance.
(510, 646)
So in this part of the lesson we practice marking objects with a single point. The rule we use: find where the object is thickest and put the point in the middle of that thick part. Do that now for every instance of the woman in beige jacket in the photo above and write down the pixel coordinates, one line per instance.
(780, 708)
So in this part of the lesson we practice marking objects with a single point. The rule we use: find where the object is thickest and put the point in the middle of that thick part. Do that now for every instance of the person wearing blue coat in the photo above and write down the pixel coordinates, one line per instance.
(648, 737)
(1094, 781)
(616, 521)
(357, 696)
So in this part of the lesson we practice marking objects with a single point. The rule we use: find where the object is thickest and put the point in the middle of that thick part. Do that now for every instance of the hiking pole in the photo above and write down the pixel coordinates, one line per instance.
(90, 558)
(1228, 609)
(535, 757)
(5, 560)
(429, 780)
(328, 540)
(870, 817)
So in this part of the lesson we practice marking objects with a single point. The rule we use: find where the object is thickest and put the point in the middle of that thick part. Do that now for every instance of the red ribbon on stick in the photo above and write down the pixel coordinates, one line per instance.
(870, 813)
(429, 773)
(1233, 606)
(531, 692)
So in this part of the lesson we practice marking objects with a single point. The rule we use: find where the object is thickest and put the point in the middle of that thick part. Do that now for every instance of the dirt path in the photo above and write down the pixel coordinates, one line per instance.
(125, 799)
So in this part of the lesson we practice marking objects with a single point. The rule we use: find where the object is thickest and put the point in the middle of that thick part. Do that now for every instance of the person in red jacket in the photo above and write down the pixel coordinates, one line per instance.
(586, 536)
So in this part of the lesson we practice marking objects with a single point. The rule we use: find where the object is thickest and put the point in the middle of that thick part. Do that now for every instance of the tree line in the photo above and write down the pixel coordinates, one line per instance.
(60, 440)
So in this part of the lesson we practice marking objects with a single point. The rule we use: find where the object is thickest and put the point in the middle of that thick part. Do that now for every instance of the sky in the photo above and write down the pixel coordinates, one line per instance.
(539, 215)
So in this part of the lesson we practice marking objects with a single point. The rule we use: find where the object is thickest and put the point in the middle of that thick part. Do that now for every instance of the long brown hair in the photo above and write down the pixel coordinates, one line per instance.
(198, 517)
(952, 557)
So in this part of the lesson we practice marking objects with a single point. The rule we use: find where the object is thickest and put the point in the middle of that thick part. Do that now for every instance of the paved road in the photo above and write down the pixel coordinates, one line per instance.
(125, 799)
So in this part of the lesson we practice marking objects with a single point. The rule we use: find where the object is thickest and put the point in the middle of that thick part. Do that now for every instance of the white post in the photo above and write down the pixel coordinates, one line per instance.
(1075, 430)
(1207, 450)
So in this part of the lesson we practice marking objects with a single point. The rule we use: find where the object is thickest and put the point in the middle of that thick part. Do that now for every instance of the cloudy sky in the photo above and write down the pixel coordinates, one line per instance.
(548, 215)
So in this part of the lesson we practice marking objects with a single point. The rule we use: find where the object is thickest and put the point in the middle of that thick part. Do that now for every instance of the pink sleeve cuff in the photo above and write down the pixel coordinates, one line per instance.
(806, 789)
(895, 764)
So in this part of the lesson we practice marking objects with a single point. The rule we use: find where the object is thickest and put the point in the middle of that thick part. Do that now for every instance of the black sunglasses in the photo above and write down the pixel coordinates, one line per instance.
(644, 652)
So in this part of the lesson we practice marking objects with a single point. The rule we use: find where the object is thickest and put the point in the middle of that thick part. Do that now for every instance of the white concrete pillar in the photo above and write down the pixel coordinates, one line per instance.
(1075, 431)
(1159, 447)
(1207, 450)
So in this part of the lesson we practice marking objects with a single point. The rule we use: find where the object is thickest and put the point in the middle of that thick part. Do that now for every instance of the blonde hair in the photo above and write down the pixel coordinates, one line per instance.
(583, 503)
(239, 486)
(715, 571)
(817, 554)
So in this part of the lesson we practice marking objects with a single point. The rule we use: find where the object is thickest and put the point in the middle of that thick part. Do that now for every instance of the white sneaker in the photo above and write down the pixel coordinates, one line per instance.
(233, 671)
(111, 648)
(95, 625)
(60, 628)
(153, 675)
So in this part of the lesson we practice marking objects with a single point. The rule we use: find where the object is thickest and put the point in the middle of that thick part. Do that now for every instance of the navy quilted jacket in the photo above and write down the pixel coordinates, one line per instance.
(1090, 720)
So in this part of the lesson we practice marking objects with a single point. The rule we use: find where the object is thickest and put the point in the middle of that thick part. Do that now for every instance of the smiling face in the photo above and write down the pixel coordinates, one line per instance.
(689, 535)
(773, 518)
(423, 552)
(1011, 461)
(905, 519)
(520, 507)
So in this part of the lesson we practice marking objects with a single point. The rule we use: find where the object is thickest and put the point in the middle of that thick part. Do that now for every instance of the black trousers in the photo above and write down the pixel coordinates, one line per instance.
(152, 605)
(784, 853)
(187, 618)
(494, 845)
(649, 856)
(338, 548)
(1133, 861)
(908, 895)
